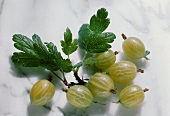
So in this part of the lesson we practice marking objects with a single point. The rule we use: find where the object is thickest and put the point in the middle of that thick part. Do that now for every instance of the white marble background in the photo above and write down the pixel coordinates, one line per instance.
(146, 19)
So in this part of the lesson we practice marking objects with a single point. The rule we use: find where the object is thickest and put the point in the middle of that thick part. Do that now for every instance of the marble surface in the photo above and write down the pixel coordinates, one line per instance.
(147, 19)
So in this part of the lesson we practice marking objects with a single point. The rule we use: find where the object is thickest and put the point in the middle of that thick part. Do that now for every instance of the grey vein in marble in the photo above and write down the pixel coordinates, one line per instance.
(1, 6)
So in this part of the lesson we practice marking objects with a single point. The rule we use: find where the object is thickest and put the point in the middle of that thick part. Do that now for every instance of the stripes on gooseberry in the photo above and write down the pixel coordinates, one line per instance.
(105, 59)
(133, 47)
(42, 92)
(101, 85)
(123, 71)
(79, 96)
(131, 96)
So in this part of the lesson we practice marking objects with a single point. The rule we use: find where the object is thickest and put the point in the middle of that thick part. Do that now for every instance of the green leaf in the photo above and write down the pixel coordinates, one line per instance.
(23, 43)
(26, 60)
(69, 46)
(92, 39)
(90, 61)
(36, 54)
(93, 42)
(99, 22)
(66, 65)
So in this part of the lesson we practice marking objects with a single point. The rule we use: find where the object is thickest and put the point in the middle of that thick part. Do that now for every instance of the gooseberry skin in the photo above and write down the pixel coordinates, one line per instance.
(133, 48)
(123, 72)
(131, 96)
(100, 85)
(105, 59)
(42, 92)
(79, 96)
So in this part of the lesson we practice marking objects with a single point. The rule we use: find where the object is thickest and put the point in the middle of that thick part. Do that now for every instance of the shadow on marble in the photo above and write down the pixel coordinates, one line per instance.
(38, 72)
(57, 83)
(81, 53)
(119, 87)
(122, 111)
(38, 110)
(94, 110)
(140, 63)
(87, 71)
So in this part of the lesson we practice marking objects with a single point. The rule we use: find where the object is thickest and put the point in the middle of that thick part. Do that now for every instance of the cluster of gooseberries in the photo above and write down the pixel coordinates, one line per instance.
(101, 84)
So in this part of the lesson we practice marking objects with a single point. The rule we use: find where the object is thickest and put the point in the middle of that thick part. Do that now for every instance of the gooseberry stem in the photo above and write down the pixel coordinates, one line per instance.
(81, 82)
(145, 90)
(68, 56)
(146, 58)
(50, 78)
(124, 36)
(75, 71)
(113, 91)
(57, 75)
(65, 80)
(140, 70)
(64, 90)
(116, 52)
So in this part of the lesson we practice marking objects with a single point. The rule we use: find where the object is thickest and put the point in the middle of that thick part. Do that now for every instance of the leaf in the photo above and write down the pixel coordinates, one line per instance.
(66, 65)
(99, 22)
(90, 61)
(93, 42)
(92, 39)
(23, 43)
(36, 54)
(69, 46)
(22, 59)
